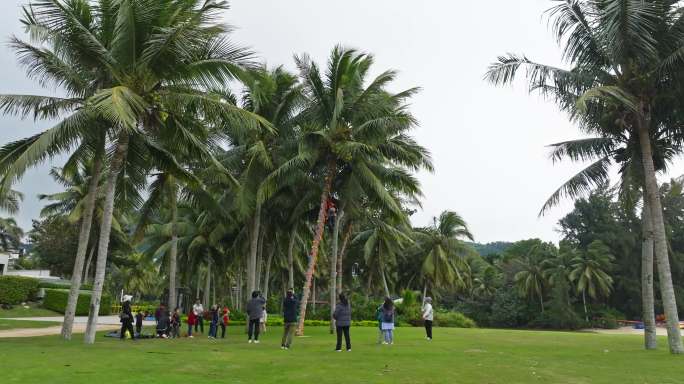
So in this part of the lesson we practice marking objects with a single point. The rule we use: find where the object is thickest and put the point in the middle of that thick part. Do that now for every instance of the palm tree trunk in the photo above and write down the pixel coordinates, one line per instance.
(83, 239)
(253, 250)
(660, 240)
(290, 257)
(86, 273)
(105, 231)
(267, 275)
(207, 284)
(333, 269)
(320, 227)
(424, 293)
(584, 303)
(647, 294)
(340, 257)
(173, 252)
(384, 281)
(260, 257)
(368, 287)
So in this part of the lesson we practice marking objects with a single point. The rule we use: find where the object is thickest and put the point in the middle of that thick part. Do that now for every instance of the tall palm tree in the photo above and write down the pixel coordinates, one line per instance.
(590, 272)
(441, 251)
(349, 125)
(626, 59)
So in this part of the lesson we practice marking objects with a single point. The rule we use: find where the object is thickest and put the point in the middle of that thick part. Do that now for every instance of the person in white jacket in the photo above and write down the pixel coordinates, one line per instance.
(428, 317)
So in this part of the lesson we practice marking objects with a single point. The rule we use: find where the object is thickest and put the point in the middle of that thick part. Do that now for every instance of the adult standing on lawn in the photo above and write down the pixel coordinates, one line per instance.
(126, 319)
(255, 308)
(428, 317)
(198, 309)
(342, 316)
(290, 307)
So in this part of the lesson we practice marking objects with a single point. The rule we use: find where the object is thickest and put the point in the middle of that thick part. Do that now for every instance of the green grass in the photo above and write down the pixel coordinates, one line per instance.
(6, 324)
(455, 356)
(33, 310)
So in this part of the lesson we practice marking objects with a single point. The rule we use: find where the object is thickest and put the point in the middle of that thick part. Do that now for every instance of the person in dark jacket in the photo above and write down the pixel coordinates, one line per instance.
(163, 324)
(213, 326)
(255, 308)
(342, 316)
(126, 320)
(290, 304)
(138, 323)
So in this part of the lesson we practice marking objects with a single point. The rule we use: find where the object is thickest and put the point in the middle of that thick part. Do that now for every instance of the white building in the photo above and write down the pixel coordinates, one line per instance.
(4, 263)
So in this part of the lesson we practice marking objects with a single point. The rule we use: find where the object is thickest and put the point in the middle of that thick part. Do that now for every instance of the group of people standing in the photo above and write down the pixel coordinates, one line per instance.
(168, 323)
(217, 318)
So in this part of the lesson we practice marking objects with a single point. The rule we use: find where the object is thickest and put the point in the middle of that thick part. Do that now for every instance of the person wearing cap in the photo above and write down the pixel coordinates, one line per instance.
(428, 316)
(290, 305)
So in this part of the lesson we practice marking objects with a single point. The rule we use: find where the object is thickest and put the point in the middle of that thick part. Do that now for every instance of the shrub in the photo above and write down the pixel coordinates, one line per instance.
(453, 320)
(56, 300)
(17, 289)
(62, 285)
(606, 318)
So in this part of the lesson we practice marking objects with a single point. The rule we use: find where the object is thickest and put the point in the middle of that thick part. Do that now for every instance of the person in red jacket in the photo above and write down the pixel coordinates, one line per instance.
(191, 322)
(224, 321)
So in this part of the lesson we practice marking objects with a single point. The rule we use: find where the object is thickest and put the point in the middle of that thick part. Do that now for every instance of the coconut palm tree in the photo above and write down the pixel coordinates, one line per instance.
(349, 124)
(626, 59)
(590, 272)
(383, 242)
(441, 252)
(531, 279)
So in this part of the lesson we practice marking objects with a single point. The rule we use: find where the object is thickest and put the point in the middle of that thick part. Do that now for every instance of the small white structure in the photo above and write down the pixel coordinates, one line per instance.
(4, 264)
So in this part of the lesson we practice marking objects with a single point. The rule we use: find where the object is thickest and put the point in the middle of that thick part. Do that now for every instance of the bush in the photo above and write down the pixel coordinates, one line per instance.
(453, 320)
(56, 300)
(63, 285)
(17, 289)
(606, 319)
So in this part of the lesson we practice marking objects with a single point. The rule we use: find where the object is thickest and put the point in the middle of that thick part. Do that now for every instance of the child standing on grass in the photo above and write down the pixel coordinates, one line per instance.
(224, 321)
(262, 321)
(175, 323)
(213, 326)
(378, 316)
(138, 323)
(191, 322)
(388, 321)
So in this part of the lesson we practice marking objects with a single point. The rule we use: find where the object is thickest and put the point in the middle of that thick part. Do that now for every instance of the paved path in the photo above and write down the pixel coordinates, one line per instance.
(104, 323)
(660, 331)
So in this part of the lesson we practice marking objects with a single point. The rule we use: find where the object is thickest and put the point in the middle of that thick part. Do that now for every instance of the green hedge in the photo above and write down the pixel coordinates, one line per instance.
(17, 289)
(56, 300)
(64, 285)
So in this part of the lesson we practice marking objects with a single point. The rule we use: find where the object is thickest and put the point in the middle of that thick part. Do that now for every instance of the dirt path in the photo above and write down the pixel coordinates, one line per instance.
(33, 332)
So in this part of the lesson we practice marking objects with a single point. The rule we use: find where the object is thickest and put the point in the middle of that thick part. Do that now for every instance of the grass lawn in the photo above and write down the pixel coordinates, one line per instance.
(455, 356)
(6, 324)
(33, 310)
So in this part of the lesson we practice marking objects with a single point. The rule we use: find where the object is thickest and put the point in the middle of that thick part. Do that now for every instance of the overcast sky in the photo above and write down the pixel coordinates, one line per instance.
(488, 144)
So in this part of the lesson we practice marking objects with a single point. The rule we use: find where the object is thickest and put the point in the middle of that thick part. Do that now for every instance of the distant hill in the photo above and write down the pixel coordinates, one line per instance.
(490, 248)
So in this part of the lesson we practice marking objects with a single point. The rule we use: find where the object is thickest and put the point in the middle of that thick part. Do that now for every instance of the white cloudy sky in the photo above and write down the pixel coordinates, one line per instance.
(488, 144)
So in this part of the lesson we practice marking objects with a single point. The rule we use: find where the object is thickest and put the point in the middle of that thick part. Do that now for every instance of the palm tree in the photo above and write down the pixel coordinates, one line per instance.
(486, 282)
(590, 272)
(626, 59)
(10, 234)
(350, 126)
(382, 243)
(531, 279)
(441, 252)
